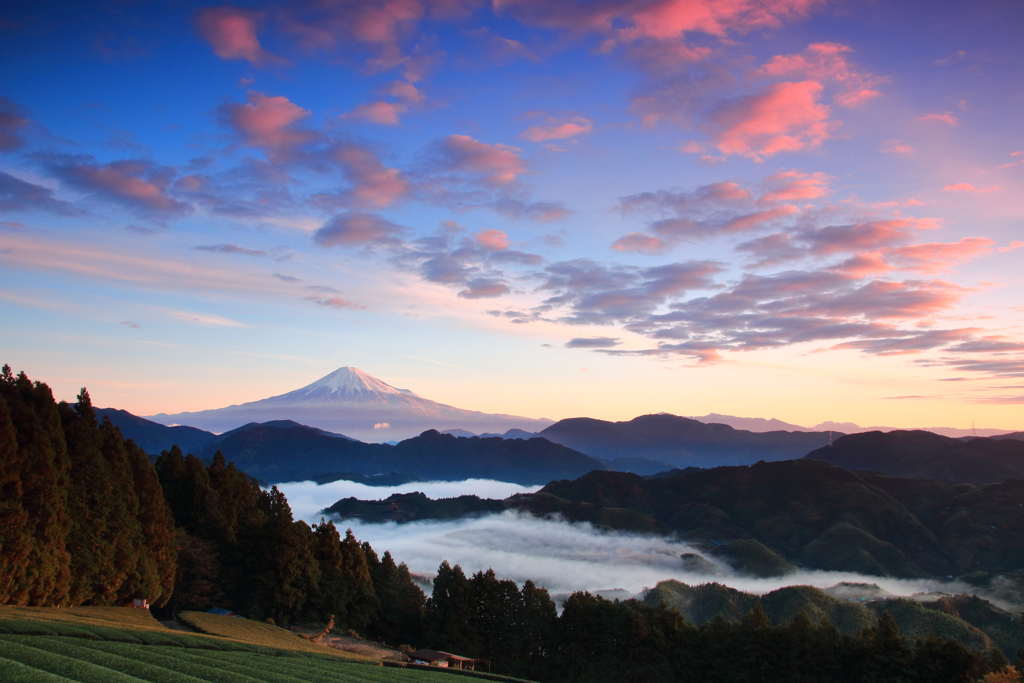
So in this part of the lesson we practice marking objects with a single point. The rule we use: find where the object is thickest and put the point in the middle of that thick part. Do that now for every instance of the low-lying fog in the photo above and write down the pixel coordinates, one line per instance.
(308, 498)
(560, 556)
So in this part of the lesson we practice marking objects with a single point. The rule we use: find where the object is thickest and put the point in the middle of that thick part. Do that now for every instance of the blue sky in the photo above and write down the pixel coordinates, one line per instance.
(794, 209)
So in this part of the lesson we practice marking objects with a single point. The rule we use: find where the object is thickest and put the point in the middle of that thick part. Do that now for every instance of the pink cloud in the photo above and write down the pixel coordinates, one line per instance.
(232, 33)
(405, 91)
(898, 148)
(265, 121)
(794, 185)
(883, 299)
(863, 236)
(756, 219)
(481, 288)
(496, 163)
(492, 240)
(357, 230)
(379, 24)
(826, 62)
(855, 98)
(1014, 163)
(373, 183)
(557, 131)
(335, 302)
(942, 118)
(1013, 245)
(660, 20)
(380, 112)
(640, 242)
(967, 187)
(785, 117)
(903, 345)
(134, 183)
(864, 265)
(935, 257)
(388, 113)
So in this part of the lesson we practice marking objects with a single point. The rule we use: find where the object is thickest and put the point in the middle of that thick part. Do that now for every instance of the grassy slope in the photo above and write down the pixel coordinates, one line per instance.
(123, 645)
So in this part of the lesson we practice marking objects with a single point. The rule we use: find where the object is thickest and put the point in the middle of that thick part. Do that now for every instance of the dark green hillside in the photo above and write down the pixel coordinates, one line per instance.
(680, 441)
(432, 455)
(154, 437)
(924, 455)
(287, 451)
(409, 507)
(811, 513)
(967, 619)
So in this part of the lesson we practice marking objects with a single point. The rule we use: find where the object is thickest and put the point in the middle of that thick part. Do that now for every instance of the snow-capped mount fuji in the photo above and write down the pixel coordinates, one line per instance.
(358, 405)
(350, 386)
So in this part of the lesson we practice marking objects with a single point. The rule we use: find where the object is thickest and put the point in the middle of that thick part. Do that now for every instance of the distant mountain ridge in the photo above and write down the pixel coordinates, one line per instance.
(154, 437)
(352, 402)
(680, 441)
(760, 424)
(924, 455)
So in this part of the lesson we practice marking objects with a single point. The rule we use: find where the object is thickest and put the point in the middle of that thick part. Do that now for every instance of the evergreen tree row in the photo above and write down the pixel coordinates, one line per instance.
(600, 641)
(82, 517)
(239, 547)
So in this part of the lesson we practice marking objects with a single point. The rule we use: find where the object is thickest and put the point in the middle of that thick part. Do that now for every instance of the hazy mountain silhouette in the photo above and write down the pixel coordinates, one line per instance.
(352, 402)
(154, 437)
(924, 455)
(285, 451)
(751, 424)
(1017, 436)
(680, 441)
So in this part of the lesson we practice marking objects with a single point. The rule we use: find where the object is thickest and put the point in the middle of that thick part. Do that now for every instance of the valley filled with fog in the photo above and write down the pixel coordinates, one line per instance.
(561, 556)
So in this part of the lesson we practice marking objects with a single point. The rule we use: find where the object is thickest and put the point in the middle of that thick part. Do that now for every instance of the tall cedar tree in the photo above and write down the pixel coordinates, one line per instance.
(331, 596)
(450, 612)
(153, 576)
(39, 574)
(402, 603)
(85, 519)
(362, 604)
(15, 534)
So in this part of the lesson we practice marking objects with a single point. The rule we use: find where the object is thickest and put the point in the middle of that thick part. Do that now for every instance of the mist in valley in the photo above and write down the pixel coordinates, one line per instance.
(561, 556)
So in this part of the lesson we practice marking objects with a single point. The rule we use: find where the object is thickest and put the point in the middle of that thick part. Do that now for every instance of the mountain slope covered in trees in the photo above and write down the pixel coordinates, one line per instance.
(924, 455)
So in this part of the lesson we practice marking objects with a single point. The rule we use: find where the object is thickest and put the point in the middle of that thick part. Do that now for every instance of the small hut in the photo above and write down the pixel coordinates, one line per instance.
(443, 659)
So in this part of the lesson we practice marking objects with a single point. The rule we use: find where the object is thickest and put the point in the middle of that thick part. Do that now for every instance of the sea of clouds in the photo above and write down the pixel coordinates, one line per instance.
(561, 556)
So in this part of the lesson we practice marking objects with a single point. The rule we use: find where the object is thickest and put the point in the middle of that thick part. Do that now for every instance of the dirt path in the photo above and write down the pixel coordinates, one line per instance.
(366, 648)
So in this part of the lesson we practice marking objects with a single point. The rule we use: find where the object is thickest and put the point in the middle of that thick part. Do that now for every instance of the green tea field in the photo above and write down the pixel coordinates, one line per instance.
(122, 645)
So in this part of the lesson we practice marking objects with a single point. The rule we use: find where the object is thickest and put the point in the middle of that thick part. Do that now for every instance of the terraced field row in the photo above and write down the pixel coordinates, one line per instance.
(32, 659)
(123, 645)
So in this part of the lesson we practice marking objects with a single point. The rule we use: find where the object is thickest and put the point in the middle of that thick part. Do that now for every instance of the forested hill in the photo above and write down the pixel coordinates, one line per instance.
(680, 441)
(276, 454)
(924, 455)
(770, 517)
(283, 450)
